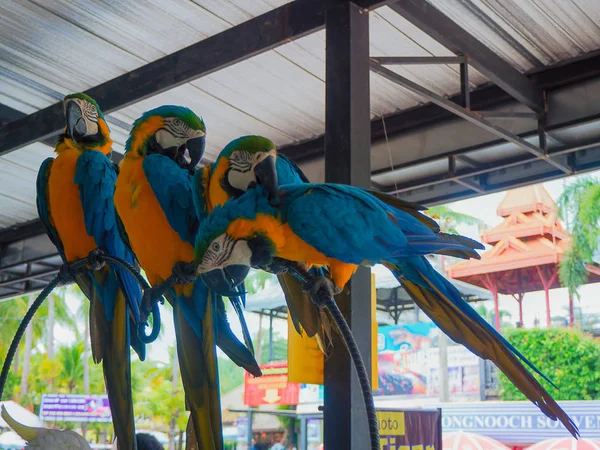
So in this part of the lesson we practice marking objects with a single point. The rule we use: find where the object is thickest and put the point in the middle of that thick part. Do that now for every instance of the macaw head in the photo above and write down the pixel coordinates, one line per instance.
(85, 123)
(248, 161)
(173, 131)
(236, 236)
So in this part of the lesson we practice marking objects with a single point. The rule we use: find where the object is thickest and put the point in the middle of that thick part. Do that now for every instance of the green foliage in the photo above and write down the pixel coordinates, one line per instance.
(569, 358)
(257, 280)
(579, 206)
(230, 375)
(449, 220)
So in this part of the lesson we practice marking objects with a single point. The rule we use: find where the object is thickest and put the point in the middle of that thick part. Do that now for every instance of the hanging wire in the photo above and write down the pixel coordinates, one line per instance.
(387, 143)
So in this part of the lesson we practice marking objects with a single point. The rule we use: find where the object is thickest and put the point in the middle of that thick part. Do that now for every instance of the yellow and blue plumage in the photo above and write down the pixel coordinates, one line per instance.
(246, 162)
(75, 204)
(342, 227)
(154, 200)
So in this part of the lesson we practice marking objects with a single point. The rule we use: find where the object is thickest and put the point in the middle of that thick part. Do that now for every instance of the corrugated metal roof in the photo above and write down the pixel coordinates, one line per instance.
(49, 49)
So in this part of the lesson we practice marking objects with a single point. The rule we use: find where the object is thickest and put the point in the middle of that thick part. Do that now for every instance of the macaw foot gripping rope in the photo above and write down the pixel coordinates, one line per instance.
(66, 274)
(324, 299)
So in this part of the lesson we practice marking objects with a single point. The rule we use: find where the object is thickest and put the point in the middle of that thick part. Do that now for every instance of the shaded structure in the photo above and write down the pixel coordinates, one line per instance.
(527, 247)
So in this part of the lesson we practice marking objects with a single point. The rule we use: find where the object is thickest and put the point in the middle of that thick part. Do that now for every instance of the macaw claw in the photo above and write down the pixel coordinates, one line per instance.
(184, 273)
(320, 289)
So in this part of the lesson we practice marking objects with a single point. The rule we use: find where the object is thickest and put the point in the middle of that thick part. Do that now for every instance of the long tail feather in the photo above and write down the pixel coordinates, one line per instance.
(110, 344)
(304, 313)
(442, 302)
(237, 302)
(230, 344)
(198, 364)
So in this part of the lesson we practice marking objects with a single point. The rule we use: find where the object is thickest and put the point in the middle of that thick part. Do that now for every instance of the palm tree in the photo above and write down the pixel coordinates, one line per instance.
(579, 207)
(449, 219)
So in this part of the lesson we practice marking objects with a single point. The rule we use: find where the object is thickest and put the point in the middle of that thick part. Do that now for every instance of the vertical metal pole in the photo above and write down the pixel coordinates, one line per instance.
(271, 336)
(444, 386)
(496, 307)
(465, 93)
(302, 440)
(482, 379)
(548, 316)
(347, 160)
(250, 435)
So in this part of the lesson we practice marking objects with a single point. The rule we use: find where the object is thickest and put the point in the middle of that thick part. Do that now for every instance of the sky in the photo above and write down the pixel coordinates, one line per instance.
(484, 208)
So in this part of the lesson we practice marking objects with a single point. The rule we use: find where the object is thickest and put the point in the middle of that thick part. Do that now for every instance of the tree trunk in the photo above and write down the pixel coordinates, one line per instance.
(50, 325)
(174, 379)
(16, 361)
(27, 354)
(86, 357)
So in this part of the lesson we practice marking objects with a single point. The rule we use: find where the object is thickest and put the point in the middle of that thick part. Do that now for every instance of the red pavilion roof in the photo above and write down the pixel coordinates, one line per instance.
(527, 246)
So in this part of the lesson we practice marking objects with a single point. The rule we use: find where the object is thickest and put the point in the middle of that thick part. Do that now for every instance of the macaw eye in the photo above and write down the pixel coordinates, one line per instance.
(215, 246)
(177, 122)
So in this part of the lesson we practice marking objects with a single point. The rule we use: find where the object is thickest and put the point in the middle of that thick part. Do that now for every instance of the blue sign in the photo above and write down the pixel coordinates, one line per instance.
(519, 422)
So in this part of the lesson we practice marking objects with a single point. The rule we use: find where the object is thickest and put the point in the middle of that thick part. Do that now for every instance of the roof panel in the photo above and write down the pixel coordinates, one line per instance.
(529, 34)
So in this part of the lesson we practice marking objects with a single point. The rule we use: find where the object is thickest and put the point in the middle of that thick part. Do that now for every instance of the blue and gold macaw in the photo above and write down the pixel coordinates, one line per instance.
(342, 227)
(153, 197)
(75, 204)
(244, 163)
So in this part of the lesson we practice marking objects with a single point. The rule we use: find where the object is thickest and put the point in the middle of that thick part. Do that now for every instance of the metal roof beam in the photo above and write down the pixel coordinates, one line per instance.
(236, 44)
(448, 33)
(419, 60)
(472, 177)
(465, 114)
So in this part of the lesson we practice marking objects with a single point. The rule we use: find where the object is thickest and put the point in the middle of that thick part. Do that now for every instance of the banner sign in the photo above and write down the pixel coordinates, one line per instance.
(520, 422)
(75, 408)
(408, 359)
(408, 430)
(272, 388)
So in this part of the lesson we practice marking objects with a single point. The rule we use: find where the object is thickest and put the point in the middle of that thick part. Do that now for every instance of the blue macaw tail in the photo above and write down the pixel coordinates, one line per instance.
(198, 365)
(110, 344)
(442, 302)
(230, 344)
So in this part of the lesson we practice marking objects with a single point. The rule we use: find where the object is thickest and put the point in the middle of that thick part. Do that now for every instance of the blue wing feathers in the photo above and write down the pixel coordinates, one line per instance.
(172, 186)
(43, 206)
(96, 176)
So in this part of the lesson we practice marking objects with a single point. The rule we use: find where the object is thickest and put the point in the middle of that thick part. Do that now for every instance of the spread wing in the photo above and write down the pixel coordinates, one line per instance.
(354, 226)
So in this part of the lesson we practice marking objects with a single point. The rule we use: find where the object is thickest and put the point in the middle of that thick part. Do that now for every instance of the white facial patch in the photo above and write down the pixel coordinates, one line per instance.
(89, 113)
(166, 140)
(225, 251)
(241, 180)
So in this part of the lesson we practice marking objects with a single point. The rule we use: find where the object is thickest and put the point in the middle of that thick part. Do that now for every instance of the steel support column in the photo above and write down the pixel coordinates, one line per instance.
(347, 160)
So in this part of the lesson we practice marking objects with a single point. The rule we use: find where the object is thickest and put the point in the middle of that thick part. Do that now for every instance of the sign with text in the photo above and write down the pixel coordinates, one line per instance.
(520, 422)
(272, 388)
(410, 429)
(75, 408)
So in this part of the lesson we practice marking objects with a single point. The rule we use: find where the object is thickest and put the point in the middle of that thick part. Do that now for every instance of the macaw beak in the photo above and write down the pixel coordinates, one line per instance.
(225, 281)
(266, 175)
(76, 127)
(196, 148)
